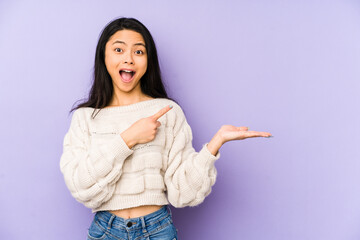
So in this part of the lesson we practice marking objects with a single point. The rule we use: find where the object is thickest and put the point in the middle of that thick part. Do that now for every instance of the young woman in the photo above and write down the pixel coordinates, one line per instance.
(128, 152)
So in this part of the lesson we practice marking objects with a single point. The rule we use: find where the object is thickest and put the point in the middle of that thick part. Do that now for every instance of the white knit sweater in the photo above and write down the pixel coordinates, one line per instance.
(104, 174)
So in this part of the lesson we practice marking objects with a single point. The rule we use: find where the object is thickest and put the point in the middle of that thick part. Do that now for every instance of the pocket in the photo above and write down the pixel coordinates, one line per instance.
(96, 232)
(166, 231)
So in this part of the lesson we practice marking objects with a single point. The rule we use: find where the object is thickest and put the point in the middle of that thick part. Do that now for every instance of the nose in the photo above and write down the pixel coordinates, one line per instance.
(128, 58)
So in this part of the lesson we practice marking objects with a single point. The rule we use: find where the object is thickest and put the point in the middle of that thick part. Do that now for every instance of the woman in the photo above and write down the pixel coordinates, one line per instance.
(128, 152)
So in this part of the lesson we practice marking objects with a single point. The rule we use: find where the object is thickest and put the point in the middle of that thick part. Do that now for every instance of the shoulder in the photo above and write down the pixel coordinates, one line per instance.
(164, 102)
(82, 114)
(176, 118)
(176, 111)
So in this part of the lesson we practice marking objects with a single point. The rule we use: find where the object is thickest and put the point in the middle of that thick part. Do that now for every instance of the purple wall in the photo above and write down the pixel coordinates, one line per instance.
(292, 69)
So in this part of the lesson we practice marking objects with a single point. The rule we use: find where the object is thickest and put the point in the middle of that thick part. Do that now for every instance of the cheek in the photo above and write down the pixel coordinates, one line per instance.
(144, 65)
(109, 62)
(111, 68)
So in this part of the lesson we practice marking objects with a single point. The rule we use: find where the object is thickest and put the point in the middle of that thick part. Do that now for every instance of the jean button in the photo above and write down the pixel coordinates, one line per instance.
(129, 224)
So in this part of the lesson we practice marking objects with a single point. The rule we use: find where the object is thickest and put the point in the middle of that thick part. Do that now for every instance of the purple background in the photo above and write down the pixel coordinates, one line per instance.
(288, 67)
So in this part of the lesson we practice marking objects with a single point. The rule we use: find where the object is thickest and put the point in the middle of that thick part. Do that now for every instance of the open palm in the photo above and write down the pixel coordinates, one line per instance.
(229, 133)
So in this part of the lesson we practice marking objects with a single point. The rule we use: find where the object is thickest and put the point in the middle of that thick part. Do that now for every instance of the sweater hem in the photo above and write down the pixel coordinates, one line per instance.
(132, 201)
(206, 159)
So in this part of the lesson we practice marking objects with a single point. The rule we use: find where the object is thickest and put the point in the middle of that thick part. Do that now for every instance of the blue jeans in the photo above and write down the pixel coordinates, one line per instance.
(154, 226)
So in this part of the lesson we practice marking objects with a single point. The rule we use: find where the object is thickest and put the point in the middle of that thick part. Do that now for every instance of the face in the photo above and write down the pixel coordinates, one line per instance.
(126, 60)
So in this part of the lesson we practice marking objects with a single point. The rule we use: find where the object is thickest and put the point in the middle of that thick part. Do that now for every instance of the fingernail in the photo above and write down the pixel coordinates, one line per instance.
(170, 106)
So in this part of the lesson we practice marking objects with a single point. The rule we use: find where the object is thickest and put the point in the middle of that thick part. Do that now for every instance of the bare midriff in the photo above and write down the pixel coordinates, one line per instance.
(136, 211)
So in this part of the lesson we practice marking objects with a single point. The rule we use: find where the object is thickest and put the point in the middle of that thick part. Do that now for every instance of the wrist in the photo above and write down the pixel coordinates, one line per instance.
(128, 140)
(215, 144)
(218, 139)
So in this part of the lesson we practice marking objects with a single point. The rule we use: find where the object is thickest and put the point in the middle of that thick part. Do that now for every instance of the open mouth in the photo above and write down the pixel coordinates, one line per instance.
(127, 75)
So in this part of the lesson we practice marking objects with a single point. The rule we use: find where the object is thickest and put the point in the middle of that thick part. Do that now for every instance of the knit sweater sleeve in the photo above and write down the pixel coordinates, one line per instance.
(190, 174)
(91, 171)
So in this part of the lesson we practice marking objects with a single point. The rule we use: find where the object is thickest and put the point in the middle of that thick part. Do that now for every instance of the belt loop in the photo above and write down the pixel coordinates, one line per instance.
(169, 210)
(143, 224)
(111, 221)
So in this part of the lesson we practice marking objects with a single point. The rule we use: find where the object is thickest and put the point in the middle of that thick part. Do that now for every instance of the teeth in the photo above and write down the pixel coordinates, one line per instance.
(127, 71)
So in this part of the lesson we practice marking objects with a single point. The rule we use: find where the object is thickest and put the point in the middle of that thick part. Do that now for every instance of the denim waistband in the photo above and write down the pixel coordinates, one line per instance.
(113, 221)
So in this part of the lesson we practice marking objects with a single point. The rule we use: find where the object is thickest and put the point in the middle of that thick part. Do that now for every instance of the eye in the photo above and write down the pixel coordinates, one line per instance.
(139, 52)
(118, 50)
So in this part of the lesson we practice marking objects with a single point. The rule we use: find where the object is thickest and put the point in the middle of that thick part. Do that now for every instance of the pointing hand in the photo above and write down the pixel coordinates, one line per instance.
(145, 129)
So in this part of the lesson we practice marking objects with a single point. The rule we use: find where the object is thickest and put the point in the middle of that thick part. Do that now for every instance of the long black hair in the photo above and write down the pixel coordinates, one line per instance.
(102, 88)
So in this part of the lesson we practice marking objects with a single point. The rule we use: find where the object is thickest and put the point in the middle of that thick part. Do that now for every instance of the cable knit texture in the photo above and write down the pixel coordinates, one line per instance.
(104, 174)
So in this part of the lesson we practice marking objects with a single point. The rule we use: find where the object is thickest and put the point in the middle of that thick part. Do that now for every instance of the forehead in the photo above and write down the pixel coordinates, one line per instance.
(128, 36)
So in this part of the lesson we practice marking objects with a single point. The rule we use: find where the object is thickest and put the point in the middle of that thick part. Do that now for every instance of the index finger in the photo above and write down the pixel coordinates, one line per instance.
(160, 113)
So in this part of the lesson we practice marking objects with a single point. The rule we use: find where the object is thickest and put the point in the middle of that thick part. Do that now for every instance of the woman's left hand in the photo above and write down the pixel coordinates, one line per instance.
(229, 133)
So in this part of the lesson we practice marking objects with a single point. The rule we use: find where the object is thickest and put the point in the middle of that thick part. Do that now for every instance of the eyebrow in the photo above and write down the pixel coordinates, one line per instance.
(136, 44)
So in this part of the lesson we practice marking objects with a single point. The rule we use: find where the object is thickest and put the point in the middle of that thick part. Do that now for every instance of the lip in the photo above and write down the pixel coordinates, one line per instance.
(127, 69)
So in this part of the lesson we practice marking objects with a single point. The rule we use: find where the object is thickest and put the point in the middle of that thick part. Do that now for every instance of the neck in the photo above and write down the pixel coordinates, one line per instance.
(127, 99)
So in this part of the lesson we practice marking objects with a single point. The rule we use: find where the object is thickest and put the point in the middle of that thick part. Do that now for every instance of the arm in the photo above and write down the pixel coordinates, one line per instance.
(91, 169)
(190, 174)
